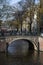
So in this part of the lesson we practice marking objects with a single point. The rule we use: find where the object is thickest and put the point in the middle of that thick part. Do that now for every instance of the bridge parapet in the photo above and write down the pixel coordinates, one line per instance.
(13, 38)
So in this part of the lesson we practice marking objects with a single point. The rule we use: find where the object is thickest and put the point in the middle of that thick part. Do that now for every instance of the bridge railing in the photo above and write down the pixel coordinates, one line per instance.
(19, 34)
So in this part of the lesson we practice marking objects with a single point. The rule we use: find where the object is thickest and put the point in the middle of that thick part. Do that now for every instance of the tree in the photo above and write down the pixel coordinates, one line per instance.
(0, 23)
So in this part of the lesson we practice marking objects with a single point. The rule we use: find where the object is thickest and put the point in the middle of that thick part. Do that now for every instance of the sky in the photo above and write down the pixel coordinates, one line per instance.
(12, 2)
(36, 1)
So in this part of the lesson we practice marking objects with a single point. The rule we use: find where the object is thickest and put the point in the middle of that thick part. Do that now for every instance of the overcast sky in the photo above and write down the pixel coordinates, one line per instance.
(37, 1)
(12, 2)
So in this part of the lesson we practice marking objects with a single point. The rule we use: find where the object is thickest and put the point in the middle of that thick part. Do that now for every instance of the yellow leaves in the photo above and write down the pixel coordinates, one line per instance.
(14, 24)
(26, 14)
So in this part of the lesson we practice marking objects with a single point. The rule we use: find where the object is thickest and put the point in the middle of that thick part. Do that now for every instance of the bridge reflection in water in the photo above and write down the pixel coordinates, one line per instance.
(33, 58)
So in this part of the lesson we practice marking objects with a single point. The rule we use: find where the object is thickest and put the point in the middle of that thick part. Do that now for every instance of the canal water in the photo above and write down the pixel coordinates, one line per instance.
(32, 57)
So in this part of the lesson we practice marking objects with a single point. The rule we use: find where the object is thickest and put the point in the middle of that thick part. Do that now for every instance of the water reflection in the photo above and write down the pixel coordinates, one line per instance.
(33, 58)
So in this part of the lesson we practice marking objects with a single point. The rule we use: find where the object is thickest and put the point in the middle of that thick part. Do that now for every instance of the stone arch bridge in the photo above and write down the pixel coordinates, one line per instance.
(33, 39)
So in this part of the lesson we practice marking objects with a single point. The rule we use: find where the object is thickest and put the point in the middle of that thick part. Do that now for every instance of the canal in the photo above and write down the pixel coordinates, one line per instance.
(33, 58)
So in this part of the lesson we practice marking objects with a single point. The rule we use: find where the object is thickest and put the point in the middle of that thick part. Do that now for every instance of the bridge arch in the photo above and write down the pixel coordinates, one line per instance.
(28, 46)
(31, 41)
